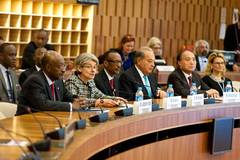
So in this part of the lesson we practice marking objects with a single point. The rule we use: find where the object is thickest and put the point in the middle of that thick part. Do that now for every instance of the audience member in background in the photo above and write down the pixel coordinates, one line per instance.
(201, 50)
(39, 53)
(215, 71)
(184, 75)
(45, 91)
(40, 40)
(126, 50)
(140, 75)
(9, 82)
(232, 42)
(156, 45)
(69, 70)
(107, 79)
(82, 84)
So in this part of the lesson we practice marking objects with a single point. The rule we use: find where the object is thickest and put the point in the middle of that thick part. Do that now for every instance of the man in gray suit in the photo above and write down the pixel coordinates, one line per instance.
(8, 78)
(44, 91)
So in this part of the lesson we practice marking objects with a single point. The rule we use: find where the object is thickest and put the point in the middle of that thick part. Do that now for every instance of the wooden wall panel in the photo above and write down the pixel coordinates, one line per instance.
(176, 22)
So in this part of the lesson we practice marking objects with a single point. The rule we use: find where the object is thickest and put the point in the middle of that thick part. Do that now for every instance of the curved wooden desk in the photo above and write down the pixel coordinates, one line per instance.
(165, 134)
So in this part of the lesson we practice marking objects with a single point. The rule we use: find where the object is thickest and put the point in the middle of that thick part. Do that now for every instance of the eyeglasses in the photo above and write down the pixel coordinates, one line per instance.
(89, 67)
(115, 62)
(219, 63)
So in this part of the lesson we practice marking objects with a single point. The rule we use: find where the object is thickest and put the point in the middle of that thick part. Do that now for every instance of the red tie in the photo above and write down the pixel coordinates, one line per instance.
(53, 90)
(111, 82)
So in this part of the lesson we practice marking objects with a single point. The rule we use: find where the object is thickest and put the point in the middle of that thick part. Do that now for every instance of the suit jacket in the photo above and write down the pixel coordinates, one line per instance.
(24, 75)
(102, 83)
(36, 94)
(130, 80)
(3, 87)
(180, 83)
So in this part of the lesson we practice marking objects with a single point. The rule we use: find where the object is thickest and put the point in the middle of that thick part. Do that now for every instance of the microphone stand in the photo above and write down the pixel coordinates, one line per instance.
(25, 156)
(124, 112)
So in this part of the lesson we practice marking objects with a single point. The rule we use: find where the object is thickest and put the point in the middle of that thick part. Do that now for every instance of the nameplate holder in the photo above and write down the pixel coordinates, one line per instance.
(143, 106)
(69, 133)
(230, 97)
(172, 102)
(195, 100)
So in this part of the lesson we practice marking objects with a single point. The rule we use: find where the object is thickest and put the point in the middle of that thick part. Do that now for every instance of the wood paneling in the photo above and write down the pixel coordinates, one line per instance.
(176, 22)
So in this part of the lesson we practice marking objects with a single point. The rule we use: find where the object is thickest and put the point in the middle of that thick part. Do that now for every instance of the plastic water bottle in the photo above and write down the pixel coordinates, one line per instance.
(139, 94)
(193, 89)
(228, 87)
(170, 91)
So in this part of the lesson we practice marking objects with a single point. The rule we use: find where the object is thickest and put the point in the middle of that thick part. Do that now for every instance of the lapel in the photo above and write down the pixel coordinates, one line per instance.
(47, 87)
(3, 81)
(138, 79)
(57, 90)
(184, 78)
(13, 83)
(106, 82)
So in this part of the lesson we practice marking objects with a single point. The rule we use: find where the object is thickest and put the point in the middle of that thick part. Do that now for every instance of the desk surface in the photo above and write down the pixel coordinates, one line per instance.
(97, 137)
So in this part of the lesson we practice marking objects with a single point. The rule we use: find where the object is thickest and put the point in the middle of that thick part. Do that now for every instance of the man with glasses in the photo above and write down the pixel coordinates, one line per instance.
(107, 79)
(184, 75)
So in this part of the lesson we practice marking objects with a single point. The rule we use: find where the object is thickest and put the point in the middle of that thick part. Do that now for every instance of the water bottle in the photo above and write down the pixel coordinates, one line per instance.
(193, 89)
(139, 94)
(228, 87)
(170, 91)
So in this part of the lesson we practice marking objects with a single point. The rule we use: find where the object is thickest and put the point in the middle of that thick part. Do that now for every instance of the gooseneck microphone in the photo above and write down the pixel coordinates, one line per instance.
(25, 156)
(81, 123)
(102, 117)
(56, 134)
(124, 112)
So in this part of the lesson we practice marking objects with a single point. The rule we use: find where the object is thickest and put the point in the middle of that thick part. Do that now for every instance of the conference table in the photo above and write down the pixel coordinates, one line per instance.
(168, 134)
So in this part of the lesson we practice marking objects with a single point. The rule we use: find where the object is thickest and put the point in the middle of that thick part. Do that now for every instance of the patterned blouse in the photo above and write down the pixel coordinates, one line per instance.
(77, 87)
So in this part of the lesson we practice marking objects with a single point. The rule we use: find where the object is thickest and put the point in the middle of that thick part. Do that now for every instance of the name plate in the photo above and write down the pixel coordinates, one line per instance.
(195, 100)
(69, 132)
(143, 106)
(172, 102)
(229, 97)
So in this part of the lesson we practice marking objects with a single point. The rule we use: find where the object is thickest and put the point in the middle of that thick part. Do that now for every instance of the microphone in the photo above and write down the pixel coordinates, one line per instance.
(25, 156)
(81, 123)
(56, 134)
(124, 112)
(102, 117)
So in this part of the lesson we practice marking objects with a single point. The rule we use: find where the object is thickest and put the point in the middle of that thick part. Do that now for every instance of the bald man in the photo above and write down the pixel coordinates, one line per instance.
(44, 91)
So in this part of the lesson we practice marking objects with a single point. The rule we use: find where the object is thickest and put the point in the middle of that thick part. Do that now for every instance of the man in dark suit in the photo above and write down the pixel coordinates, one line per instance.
(140, 75)
(8, 79)
(40, 40)
(184, 75)
(39, 53)
(201, 50)
(107, 79)
(45, 90)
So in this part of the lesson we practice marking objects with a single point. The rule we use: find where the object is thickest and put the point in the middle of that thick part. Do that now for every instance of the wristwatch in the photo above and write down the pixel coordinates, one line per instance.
(101, 101)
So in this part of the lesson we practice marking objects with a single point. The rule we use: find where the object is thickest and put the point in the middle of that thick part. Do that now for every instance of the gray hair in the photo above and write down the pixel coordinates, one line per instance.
(153, 41)
(84, 57)
(197, 44)
(141, 53)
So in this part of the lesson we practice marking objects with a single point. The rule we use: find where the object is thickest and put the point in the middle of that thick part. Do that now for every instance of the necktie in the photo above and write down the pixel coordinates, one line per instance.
(53, 90)
(147, 86)
(111, 82)
(10, 89)
(190, 81)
